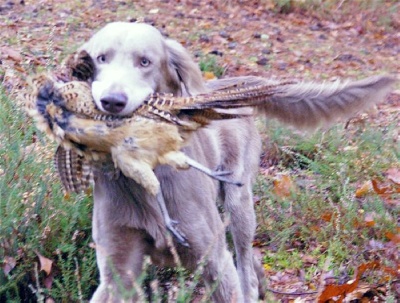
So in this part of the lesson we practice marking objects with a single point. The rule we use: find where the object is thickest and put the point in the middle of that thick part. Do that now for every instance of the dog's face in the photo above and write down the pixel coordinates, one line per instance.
(131, 61)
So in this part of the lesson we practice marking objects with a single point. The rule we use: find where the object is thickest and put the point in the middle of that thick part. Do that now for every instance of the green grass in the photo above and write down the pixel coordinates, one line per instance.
(323, 218)
(35, 217)
(339, 10)
(209, 63)
(318, 221)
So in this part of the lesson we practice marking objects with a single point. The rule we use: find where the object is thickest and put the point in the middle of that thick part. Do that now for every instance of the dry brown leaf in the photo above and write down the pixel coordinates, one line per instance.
(48, 281)
(309, 259)
(327, 216)
(369, 220)
(395, 238)
(8, 264)
(340, 292)
(9, 53)
(45, 263)
(393, 175)
(364, 189)
(381, 189)
(283, 186)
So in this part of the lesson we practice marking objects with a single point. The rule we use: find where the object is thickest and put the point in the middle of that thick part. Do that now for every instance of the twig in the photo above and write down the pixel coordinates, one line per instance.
(291, 293)
(340, 5)
(78, 279)
(38, 290)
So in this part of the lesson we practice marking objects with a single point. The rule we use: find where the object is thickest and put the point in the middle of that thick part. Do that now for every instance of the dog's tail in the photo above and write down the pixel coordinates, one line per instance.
(311, 105)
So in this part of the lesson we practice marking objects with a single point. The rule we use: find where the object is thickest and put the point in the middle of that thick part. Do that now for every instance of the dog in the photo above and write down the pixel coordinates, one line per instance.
(133, 60)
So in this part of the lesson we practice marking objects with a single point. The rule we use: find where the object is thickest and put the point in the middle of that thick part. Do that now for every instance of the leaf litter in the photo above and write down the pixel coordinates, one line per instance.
(248, 38)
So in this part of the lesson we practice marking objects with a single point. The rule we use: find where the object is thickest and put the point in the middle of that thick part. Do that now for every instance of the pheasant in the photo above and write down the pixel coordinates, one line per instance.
(153, 135)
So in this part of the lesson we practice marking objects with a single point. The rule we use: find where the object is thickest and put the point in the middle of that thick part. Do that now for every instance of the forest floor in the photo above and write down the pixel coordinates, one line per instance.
(341, 39)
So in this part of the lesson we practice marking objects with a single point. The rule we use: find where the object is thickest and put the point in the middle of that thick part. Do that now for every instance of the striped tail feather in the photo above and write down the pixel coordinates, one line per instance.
(74, 170)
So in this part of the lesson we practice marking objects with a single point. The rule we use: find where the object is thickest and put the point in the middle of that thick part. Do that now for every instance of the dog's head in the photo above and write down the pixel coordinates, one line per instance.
(131, 61)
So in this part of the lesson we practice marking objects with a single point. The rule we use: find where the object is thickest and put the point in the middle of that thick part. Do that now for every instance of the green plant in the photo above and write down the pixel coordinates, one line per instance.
(209, 63)
(36, 219)
(323, 214)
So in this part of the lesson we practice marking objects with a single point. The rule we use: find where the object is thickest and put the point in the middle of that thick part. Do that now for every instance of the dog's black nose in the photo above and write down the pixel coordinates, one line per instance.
(114, 103)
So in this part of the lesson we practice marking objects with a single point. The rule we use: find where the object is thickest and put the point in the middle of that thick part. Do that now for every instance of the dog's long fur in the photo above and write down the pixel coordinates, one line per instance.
(134, 60)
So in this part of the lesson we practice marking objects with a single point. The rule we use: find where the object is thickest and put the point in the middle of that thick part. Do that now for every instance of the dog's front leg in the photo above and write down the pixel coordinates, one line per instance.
(119, 252)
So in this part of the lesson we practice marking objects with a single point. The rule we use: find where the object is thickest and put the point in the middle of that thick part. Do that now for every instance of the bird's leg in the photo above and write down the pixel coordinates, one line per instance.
(169, 223)
(218, 175)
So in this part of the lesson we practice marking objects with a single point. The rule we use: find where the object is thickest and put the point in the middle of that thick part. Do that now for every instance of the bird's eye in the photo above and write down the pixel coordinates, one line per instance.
(101, 59)
(144, 62)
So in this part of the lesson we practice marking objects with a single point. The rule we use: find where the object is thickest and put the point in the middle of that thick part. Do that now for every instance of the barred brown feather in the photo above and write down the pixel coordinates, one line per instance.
(74, 170)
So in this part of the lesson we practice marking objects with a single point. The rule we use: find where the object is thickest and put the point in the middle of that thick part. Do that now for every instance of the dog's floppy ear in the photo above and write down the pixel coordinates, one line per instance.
(186, 69)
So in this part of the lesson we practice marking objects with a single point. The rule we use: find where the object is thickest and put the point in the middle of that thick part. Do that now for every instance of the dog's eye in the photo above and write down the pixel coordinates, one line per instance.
(144, 62)
(101, 58)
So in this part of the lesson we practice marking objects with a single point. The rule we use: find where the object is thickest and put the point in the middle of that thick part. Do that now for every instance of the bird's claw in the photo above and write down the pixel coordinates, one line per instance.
(181, 238)
(220, 175)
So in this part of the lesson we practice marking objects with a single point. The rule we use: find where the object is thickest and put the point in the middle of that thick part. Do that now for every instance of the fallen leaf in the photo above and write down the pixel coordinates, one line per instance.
(309, 260)
(340, 292)
(379, 188)
(393, 175)
(267, 267)
(369, 220)
(395, 238)
(48, 281)
(364, 189)
(45, 263)
(10, 53)
(327, 216)
(209, 75)
(283, 186)
(8, 264)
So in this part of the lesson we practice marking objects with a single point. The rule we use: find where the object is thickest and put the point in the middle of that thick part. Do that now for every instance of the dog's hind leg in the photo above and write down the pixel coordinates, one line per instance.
(222, 279)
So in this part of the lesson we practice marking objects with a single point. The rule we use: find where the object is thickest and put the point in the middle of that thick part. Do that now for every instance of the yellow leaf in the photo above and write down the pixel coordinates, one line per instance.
(364, 189)
(45, 263)
(208, 75)
(267, 267)
(283, 186)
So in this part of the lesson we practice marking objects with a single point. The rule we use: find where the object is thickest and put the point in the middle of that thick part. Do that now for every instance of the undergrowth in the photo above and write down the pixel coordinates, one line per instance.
(322, 219)
(35, 219)
(340, 10)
